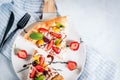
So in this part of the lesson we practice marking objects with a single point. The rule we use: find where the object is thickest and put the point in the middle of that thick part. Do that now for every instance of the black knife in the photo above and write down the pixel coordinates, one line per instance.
(9, 25)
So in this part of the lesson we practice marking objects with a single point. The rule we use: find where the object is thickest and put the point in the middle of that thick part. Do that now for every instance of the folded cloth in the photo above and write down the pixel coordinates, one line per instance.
(19, 8)
(96, 67)
(5, 1)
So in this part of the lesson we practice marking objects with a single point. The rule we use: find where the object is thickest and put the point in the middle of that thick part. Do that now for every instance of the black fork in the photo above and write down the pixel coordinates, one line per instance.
(20, 25)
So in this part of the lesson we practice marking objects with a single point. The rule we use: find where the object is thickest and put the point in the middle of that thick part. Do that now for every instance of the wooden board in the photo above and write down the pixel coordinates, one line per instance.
(49, 6)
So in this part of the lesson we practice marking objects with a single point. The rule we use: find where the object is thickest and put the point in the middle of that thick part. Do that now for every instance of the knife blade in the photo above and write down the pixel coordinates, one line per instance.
(9, 25)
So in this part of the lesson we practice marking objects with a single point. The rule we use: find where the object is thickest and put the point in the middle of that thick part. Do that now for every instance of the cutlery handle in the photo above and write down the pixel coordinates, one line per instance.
(4, 42)
(3, 39)
(8, 38)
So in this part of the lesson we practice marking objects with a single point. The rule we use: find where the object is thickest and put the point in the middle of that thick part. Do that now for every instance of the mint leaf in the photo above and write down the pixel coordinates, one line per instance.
(58, 41)
(41, 77)
(36, 36)
(59, 25)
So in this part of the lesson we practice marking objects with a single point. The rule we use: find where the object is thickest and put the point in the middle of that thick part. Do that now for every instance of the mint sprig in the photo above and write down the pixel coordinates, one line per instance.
(36, 36)
(60, 25)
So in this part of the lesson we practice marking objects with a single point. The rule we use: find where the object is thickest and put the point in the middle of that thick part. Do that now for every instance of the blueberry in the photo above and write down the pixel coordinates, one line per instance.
(34, 63)
(46, 39)
(45, 72)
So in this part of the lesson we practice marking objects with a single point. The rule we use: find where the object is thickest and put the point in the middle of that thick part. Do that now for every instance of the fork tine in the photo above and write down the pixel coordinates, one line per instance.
(26, 20)
(23, 18)
(27, 17)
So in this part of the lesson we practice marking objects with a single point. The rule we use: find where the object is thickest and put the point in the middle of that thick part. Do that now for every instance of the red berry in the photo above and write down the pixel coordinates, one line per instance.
(22, 54)
(40, 68)
(74, 46)
(42, 60)
(43, 30)
(57, 50)
(32, 74)
(56, 35)
(50, 45)
(72, 65)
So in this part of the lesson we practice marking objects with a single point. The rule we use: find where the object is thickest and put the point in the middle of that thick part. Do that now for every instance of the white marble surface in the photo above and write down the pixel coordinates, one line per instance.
(98, 22)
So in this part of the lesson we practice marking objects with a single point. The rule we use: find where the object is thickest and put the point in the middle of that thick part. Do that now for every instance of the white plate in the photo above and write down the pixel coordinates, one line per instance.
(78, 56)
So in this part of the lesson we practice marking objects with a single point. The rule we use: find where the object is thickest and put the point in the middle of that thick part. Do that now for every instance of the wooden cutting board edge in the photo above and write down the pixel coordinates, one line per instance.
(49, 6)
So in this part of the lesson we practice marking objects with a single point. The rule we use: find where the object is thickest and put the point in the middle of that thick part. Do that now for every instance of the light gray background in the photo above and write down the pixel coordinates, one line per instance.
(98, 22)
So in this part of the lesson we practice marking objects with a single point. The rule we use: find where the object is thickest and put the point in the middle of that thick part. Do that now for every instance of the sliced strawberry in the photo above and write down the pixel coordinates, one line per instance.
(42, 60)
(72, 65)
(32, 74)
(40, 68)
(56, 35)
(43, 30)
(22, 54)
(56, 49)
(50, 45)
(74, 45)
